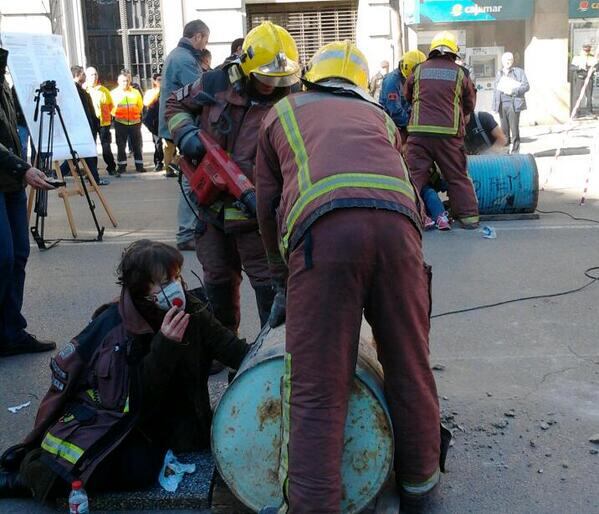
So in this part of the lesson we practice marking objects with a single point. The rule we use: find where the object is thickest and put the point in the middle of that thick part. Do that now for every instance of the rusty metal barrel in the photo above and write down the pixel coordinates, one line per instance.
(246, 429)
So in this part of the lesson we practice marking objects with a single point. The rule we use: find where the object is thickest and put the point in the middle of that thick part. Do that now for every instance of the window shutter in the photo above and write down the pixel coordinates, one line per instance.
(312, 24)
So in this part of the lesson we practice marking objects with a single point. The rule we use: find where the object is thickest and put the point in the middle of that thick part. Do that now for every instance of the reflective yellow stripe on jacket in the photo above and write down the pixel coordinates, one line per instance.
(67, 451)
(311, 191)
(416, 125)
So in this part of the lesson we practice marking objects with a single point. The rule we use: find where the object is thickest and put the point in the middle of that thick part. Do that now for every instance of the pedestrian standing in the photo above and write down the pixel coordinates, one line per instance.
(236, 51)
(128, 106)
(103, 106)
(14, 229)
(230, 111)
(374, 86)
(150, 119)
(182, 66)
(581, 64)
(347, 224)
(508, 100)
(441, 94)
(88, 108)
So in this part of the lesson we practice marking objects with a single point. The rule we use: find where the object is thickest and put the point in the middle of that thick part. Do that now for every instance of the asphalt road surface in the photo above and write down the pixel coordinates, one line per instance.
(518, 383)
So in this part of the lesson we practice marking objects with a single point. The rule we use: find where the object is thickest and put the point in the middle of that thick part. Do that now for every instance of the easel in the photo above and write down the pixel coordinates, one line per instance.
(77, 189)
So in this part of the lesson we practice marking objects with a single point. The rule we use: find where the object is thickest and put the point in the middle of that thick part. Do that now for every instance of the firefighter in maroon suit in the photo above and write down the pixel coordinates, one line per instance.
(340, 222)
(229, 104)
(442, 94)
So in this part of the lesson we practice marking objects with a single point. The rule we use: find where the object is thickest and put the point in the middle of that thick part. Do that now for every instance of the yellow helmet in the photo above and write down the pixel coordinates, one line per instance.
(409, 60)
(445, 42)
(270, 55)
(341, 60)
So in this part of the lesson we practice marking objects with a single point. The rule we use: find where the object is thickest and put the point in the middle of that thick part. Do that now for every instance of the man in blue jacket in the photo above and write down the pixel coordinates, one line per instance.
(510, 85)
(181, 67)
(392, 97)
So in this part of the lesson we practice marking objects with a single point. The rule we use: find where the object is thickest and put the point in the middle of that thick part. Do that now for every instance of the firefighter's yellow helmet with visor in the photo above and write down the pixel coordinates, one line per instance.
(270, 55)
(409, 61)
(341, 60)
(445, 42)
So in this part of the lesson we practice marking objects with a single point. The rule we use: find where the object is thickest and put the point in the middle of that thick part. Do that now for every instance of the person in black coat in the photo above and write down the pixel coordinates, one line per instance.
(94, 123)
(14, 231)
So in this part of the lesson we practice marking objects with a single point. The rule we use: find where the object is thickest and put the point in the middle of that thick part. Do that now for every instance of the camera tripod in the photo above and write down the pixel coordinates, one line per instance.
(44, 160)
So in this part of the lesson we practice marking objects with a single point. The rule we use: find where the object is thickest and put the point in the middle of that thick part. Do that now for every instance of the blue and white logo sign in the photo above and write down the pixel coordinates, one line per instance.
(443, 11)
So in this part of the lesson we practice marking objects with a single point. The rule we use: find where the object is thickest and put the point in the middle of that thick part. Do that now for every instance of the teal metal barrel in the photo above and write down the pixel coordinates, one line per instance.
(246, 429)
(505, 184)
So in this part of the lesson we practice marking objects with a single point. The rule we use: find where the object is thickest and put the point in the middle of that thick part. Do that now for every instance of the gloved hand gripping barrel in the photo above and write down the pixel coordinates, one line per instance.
(218, 174)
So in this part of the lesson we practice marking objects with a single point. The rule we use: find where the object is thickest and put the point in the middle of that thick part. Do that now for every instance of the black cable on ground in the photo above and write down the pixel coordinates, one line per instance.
(568, 214)
(587, 273)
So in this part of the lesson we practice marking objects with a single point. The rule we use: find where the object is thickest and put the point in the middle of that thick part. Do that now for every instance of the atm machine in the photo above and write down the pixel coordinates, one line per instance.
(484, 62)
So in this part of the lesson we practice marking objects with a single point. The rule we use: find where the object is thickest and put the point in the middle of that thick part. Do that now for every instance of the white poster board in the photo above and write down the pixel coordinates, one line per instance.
(33, 59)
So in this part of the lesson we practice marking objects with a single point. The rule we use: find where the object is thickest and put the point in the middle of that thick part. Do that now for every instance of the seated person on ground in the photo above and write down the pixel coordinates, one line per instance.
(130, 386)
(483, 134)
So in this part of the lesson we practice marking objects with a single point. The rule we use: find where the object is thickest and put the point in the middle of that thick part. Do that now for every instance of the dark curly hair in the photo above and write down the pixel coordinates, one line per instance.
(145, 262)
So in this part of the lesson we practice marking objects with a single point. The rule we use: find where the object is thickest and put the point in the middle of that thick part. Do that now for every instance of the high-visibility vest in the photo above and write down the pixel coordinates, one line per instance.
(102, 103)
(128, 106)
(311, 191)
(429, 76)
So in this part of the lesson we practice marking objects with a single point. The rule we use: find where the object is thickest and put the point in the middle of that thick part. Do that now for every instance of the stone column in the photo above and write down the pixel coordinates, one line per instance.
(546, 63)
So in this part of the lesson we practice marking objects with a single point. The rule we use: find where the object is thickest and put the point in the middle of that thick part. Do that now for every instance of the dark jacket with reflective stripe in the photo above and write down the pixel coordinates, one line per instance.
(320, 151)
(118, 373)
(441, 94)
(232, 117)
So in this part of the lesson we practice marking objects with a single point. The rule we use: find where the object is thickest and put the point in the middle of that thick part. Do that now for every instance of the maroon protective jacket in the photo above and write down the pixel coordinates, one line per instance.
(305, 169)
(118, 371)
(441, 94)
(232, 116)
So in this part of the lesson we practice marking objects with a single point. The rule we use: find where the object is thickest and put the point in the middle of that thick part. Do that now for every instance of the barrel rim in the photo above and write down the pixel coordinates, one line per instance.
(367, 387)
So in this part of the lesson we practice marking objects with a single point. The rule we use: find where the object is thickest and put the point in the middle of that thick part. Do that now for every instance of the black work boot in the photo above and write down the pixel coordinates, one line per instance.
(30, 344)
(12, 486)
(264, 297)
(224, 303)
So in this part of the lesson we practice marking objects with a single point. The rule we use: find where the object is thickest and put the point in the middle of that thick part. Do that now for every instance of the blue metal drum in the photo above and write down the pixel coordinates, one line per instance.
(246, 429)
(505, 184)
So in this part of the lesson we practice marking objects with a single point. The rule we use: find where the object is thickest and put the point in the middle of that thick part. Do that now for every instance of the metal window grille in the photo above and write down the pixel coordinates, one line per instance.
(312, 24)
(105, 46)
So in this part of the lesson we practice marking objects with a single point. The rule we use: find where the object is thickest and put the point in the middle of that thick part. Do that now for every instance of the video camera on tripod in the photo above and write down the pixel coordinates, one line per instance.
(44, 159)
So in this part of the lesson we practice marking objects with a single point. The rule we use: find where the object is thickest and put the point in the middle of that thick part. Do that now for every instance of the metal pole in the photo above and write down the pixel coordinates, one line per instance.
(124, 34)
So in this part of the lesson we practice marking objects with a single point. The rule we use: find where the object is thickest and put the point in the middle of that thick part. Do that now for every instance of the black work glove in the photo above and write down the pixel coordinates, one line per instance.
(278, 309)
(192, 147)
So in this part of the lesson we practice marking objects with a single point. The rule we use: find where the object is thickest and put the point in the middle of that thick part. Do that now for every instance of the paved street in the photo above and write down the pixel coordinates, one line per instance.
(519, 384)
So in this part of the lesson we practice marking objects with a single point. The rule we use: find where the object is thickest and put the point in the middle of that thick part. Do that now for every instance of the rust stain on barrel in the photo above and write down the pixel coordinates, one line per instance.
(270, 410)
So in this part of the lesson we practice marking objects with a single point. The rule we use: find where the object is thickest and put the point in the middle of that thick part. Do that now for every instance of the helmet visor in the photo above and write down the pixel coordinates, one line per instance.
(277, 80)
(280, 72)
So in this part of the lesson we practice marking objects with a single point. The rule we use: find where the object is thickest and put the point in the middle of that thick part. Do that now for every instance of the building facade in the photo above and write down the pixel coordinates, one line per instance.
(537, 32)
(138, 34)
(543, 35)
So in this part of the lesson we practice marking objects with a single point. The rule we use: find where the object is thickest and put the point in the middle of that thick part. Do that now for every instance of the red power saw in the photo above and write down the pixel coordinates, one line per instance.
(218, 174)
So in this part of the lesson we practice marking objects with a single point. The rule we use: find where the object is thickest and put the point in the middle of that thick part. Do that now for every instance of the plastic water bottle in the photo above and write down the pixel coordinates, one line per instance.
(78, 503)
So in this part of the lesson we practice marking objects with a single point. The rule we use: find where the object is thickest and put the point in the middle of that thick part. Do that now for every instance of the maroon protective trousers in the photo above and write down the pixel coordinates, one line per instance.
(450, 156)
(369, 261)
